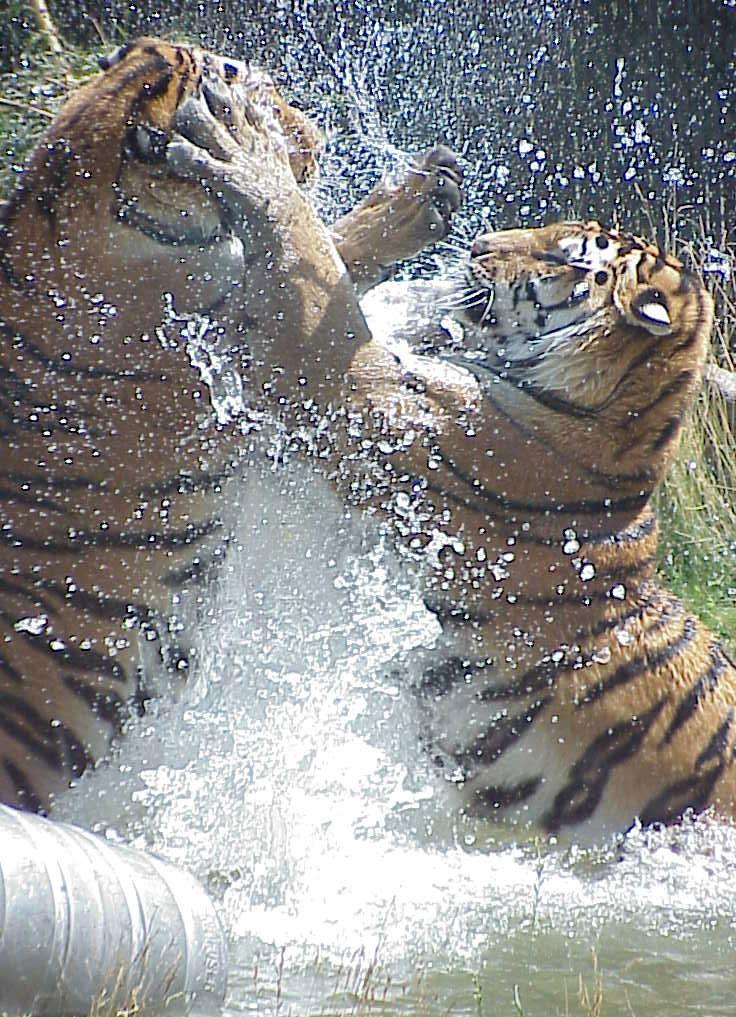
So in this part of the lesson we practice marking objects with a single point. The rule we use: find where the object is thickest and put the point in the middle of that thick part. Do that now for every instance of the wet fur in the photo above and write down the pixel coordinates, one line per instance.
(114, 472)
(573, 691)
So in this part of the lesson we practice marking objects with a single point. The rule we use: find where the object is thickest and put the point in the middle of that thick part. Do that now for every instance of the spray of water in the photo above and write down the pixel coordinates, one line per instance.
(288, 772)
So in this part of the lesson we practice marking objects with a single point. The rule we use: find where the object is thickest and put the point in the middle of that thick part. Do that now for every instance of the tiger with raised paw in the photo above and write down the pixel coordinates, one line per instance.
(122, 285)
(574, 692)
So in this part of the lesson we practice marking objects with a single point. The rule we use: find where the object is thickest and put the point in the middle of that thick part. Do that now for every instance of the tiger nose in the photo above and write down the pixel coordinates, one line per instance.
(481, 246)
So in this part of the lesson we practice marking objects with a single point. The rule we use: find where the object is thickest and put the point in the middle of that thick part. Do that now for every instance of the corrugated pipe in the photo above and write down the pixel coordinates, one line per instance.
(91, 927)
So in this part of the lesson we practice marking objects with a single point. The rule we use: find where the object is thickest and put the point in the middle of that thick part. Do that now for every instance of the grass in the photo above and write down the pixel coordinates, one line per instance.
(697, 502)
(30, 97)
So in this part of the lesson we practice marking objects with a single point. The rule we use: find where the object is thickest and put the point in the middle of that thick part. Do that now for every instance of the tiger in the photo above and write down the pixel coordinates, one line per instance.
(118, 464)
(570, 693)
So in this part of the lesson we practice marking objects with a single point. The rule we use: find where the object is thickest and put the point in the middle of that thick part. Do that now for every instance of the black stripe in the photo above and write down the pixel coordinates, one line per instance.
(77, 756)
(81, 371)
(536, 679)
(644, 477)
(648, 662)
(88, 661)
(690, 793)
(28, 592)
(189, 483)
(163, 233)
(198, 571)
(500, 735)
(639, 531)
(554, 402)
(99, 605)
(11, 495)
(488, 800)
(620, 570)
(147, 540)
(26, 797)
(717, 747)
(20, 720)
(57, 159)
(43, 479)
(641, 276)
(670, 431)
(604, 506)
(106, 704)
(673, 387)
(589, 776)
(440, 679)
(705, 684)
(520, 536)
(9, 670)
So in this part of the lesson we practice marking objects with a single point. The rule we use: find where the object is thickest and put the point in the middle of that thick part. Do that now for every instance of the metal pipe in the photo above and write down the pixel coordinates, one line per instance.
(87, 925)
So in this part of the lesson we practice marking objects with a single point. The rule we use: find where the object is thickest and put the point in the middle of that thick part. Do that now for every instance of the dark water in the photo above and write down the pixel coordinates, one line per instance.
(617, 110)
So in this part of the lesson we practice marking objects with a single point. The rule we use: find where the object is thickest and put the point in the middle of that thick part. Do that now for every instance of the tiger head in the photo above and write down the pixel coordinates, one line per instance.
(190, 67)
(143, 85)
(99, 217)
(594, 324)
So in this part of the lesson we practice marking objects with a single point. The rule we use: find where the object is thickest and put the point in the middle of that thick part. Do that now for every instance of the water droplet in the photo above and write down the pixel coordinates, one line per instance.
(601, 655)
(623, 636)
(34, 625)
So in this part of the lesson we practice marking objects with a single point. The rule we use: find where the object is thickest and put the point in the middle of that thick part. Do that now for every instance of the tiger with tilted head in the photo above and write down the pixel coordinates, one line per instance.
(115, 471)
(573, 691)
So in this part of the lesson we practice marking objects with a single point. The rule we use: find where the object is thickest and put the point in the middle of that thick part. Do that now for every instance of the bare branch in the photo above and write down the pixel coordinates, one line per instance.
(723, 380)
(26, 107)
(46, 26)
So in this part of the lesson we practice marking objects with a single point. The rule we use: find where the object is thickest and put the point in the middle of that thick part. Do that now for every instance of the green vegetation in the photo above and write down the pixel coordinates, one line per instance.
(697, 502)
(31, 95)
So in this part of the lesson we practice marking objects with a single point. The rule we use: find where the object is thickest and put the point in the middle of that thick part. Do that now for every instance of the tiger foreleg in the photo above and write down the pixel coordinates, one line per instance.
(246, 170)
(295, 298)
(400, 217)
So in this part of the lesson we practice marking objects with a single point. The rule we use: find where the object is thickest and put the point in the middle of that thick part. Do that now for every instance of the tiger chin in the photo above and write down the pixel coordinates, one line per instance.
(116, 472)
(571, 692)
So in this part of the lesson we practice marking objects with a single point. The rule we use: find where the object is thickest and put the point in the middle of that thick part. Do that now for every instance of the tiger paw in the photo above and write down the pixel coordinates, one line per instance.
(400, 217)
(235, 151)
(434, 182)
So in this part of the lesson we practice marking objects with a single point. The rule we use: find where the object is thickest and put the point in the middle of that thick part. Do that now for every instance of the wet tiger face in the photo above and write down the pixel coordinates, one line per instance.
(589, 314)
(539, 293)
(238, 89)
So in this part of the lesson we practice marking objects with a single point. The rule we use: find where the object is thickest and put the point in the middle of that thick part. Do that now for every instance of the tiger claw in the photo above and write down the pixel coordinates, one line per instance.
(197, 124)
(442, 184)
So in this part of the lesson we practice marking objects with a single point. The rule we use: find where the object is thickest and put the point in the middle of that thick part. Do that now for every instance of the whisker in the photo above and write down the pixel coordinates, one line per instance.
(489, 306)
(468, 299)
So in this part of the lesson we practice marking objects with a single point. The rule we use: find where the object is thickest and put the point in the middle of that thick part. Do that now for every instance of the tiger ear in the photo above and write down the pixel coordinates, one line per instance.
(106, 62)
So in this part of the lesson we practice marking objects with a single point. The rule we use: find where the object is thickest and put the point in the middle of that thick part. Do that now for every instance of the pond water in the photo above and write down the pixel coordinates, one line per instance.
(288, 777)
(287, 773)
